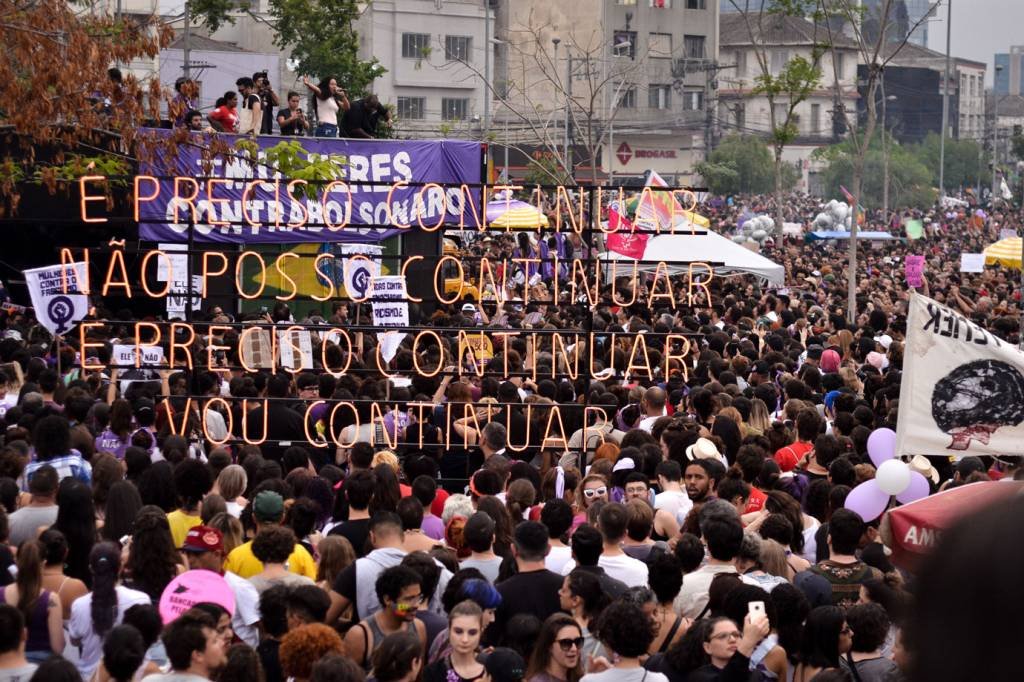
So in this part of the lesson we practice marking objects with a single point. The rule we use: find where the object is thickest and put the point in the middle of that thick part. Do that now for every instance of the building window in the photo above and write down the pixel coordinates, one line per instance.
(412, 108)
(625, 2)
(815, 119)
(694, 47)
(627, 98)
(779, 114)
(779, 60)
(739, 114)
(415, 45)
(659, 45)
(840, 65)
(454, 108)
(456, 48)
(660, 4)
(696, 4)
(624, 44)
(741, 63)
(659, 96)
(693, 100)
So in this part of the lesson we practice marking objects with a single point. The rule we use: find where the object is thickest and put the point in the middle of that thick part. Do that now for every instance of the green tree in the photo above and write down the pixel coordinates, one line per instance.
(743, 164)
(785, 89)
(963, 161)
(318, 33)
(1017, 142)
(910, 178)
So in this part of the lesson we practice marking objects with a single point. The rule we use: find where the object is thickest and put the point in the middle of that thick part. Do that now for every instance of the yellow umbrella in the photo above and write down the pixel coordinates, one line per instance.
(521, 218)
(1005, 252)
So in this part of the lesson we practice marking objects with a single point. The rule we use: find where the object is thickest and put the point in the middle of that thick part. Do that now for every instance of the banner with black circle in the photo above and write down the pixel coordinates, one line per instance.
(57, 297)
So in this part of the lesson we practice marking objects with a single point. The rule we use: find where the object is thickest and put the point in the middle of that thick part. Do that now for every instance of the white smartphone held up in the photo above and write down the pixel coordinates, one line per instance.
(756, 610)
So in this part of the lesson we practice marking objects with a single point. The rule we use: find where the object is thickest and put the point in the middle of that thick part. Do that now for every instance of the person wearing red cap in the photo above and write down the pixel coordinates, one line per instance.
(204, 550)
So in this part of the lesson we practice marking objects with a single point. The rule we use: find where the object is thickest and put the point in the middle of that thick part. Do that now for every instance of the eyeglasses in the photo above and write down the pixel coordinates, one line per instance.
(407, 603)
(568, 643)
(726, 635)
(595, 492)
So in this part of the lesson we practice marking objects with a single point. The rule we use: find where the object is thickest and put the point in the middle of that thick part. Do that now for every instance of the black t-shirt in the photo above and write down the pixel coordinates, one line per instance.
(360, 116)
(533, 592)
(356, 532)
(267, 125)
(290, 128)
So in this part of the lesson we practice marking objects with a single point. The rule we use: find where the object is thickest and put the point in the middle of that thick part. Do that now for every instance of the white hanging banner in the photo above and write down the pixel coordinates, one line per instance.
(57, 297)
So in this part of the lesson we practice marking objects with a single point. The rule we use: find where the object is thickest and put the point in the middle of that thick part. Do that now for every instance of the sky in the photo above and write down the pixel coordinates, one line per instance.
(981, 28)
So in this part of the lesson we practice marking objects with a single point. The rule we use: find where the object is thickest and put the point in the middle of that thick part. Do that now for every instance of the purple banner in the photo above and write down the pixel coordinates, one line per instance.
(268, 209)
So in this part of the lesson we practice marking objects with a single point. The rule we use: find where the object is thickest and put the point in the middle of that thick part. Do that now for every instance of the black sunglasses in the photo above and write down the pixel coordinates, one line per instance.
(569, 643)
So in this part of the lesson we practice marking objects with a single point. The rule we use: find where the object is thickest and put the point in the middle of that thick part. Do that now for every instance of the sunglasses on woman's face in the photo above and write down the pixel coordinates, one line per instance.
(568, 643)
(595, 492)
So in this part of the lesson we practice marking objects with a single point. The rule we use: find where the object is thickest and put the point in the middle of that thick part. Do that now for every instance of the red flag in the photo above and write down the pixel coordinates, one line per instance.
(631, 245)
(617, 221)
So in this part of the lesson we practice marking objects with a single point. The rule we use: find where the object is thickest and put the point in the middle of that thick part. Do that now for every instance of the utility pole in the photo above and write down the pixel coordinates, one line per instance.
(186, 35)
(487, 66)
(568, 115)
(945, 103)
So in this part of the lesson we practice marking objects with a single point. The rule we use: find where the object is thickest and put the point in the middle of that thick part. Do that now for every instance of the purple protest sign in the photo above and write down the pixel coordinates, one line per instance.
(363, 209)
(915, 271)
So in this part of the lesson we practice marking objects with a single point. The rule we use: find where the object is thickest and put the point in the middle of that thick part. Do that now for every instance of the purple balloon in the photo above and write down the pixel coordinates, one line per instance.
(868, 500)
(881, 446)
(917, 489)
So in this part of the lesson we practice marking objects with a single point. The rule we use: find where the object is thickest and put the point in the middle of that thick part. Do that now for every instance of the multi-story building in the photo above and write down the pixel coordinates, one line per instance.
(1009, 80)
(907, 19)
(435, 53)
(820, 118)
(966, 91)
(641, 75)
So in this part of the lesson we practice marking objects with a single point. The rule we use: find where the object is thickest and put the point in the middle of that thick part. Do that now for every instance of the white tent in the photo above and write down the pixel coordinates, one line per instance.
(678, 250)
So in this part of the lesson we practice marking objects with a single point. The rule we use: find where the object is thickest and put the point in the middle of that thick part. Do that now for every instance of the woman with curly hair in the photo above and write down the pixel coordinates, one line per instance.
(304, 646)
(153, 560)
(627, 633)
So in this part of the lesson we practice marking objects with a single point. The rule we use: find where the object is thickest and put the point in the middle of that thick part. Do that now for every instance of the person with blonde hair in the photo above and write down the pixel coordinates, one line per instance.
(230, 529)
(231, 484)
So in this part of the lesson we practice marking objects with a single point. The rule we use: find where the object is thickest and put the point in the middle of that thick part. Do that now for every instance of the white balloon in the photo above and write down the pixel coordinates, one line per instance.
(893, 476)
(759, 235)
(739, 238)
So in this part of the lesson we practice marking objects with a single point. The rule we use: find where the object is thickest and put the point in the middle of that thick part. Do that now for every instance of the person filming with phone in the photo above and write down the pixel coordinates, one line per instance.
(292, 119)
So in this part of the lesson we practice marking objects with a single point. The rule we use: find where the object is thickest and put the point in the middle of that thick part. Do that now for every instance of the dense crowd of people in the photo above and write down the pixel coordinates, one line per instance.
(251, 110)
(682, 523)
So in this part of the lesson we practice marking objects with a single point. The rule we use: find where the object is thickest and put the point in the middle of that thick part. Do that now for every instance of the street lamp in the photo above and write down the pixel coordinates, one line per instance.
(885, 155)
(995, 134)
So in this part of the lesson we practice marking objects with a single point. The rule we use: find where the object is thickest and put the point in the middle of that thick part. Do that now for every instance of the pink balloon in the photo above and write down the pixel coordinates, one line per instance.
(881, 446)
(917, 489)
(868, 500)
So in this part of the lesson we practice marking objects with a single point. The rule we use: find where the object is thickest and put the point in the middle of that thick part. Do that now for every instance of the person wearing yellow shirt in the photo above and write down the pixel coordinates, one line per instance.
(192, 480)
(268, 509)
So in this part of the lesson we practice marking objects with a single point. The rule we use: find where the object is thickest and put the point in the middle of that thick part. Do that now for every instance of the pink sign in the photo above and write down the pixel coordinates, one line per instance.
(191, 588)
(915, 271)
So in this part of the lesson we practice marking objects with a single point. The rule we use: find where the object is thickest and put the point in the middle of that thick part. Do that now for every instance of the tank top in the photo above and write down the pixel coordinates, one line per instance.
(38, 627)
(378, 637)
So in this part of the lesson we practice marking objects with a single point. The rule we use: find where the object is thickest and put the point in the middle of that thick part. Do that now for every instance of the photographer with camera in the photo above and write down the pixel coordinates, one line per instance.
(268, 100)
(292, 119)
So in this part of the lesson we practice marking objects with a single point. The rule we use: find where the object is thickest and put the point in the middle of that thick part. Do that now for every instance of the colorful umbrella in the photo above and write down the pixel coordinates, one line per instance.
(514, 215)
(913, 530)
(1005, 252)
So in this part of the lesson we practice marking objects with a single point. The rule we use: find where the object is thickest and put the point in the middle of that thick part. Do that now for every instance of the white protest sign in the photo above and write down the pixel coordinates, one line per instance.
(390, 309)
(972, 262)
(56, 295)
(296, 348)
(256, 349)
(175, 265)
(176, 299)
(359, 272)
(962, 389)
(123, 355)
